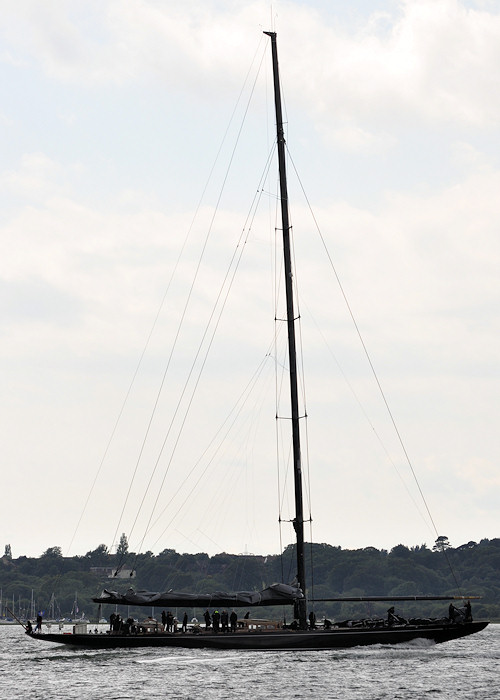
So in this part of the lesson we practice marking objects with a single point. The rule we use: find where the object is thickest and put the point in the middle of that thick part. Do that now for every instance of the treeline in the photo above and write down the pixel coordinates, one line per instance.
(52, 582)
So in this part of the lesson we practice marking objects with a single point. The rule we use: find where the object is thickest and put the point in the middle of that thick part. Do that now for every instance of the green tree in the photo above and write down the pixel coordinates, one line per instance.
(401, 551)
(441, 544)
(8, 551)
(122, 548)
(98, 556)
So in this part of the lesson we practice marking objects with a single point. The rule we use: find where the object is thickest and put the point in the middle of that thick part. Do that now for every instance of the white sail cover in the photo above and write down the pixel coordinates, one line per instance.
(277, 594)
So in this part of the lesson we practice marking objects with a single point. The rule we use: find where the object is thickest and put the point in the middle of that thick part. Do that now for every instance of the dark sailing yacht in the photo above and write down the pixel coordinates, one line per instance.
(262, 634)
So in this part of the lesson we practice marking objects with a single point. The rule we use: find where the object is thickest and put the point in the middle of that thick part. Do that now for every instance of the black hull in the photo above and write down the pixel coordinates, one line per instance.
(283, 640)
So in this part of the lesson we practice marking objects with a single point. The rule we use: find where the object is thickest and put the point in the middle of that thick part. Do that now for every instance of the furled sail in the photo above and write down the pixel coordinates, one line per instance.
(277, 594)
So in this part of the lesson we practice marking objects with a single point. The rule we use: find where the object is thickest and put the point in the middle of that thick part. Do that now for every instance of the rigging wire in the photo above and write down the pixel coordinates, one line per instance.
(227, 283)
(370, 363)
(239, 247)
(196, 382)
(236, 410)
(155, 321)
(183, 317)
(369, 421)
(301, 373)
(311, 558)
(125, 400)
(282, 491)
(304, 417)
(302, 376)
(305, 444)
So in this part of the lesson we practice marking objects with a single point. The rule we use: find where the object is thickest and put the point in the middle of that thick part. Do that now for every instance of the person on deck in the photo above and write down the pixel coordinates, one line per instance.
(451, 612)
(117, 624)
(170, 622)
(393, 619)
(312, 620)
(468, 612)
(185, 622)
(216, 621)
(224, 619)
(207, 618)
(38, 627)
(233, 619)
(29, 627)
(129, 626)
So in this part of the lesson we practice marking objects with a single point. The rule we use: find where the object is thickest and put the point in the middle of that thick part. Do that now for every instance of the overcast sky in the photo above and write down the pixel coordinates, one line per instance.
(112, 117)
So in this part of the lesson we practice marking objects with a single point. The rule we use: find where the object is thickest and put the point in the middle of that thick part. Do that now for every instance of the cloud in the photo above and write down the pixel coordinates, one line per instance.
(118, 41)
(355, 139)
(35, 178)
(436, 58)
(439, 60)
(394, 116)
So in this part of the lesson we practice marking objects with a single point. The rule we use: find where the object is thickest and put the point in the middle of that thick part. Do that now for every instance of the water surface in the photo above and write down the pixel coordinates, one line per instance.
(464, 669)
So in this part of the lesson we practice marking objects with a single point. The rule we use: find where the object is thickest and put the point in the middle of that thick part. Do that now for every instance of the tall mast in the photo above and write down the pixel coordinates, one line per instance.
(298, 522)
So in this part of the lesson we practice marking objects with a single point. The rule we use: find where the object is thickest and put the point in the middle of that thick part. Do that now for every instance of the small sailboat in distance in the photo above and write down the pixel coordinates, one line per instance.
(303, 633)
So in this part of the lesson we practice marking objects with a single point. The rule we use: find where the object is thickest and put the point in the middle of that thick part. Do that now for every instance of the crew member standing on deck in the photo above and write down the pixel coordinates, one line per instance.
(216, 621)
(233, 619)
(224, 619)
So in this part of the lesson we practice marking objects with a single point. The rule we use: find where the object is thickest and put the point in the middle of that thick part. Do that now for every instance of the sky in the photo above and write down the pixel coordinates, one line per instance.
(138, 366)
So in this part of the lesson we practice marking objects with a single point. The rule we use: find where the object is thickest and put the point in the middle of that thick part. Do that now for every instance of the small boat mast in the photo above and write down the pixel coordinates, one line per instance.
(298, 522)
